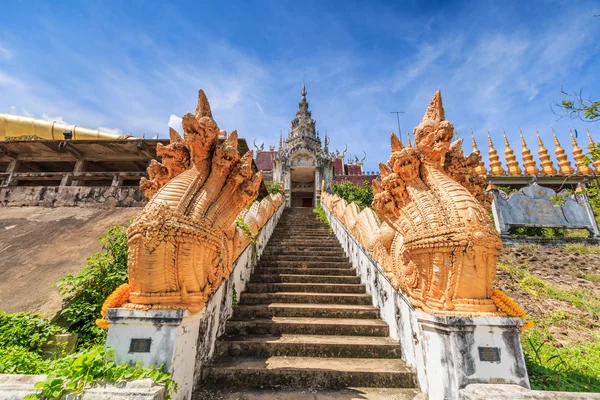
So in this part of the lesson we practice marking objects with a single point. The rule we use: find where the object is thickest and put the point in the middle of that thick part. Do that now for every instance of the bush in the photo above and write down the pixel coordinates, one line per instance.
(21, 360)
(85, 292)
(321, 216)
(26, 330)
(275, 187)
(362, 194)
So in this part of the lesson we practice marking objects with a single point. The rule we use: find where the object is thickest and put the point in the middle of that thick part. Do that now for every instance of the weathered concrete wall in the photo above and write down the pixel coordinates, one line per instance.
(515, 392)
(181, 341)
(15, 387)
(443, 350)
(38, 246)
(72, 196)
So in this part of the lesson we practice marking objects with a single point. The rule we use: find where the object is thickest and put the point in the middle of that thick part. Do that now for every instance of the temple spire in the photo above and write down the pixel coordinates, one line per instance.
(531, 168)
(280, 138)
(480, 168)
(564, 165)
(512, 165)
(592, 144)
(409, 144)
(582, 167)
(495, 164)
(545, 161)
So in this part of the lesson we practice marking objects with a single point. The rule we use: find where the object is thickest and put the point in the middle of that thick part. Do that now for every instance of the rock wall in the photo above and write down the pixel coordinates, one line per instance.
(72, 196)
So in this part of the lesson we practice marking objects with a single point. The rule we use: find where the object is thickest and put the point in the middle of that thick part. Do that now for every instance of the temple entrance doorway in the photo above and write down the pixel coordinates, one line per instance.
(303, 186)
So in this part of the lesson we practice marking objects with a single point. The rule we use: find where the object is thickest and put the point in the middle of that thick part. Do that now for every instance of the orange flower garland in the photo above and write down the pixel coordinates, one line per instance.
(512, 309)
(115, 299)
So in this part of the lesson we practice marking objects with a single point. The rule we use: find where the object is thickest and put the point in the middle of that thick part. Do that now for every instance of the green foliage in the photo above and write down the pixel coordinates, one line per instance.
(94, 365)
(234, 299)
(578, 248)
(240, 223)
(274, 188)
(532, 231)
(321, 216)
(85, 292)
(22, 360)
(362, 194)
(576, 106)
(553, 366)
(26, 330)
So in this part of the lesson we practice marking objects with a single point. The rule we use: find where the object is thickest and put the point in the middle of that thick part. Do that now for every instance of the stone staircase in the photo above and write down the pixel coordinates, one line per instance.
(305, 322)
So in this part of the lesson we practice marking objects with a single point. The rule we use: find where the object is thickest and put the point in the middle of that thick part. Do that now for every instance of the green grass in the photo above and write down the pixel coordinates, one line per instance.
(592, 277)
(571, 367)
(581, 249)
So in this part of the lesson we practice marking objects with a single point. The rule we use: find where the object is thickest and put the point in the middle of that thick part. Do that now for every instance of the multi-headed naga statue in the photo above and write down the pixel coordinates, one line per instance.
(180, 247)
(445, 247)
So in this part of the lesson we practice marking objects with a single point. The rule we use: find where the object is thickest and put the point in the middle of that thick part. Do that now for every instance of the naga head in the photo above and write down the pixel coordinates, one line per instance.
(404, 161)
(434, 133)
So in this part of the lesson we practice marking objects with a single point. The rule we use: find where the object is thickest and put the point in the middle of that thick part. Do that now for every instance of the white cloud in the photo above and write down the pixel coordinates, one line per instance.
(5, 53)
(116, 131)
(259, 108)
(175, 123)
(57, 119)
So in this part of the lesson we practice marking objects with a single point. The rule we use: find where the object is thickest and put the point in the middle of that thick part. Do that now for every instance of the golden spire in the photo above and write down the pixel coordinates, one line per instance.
(480, 168)
(564, 165)
(435, 110)
(511, 160)
(495, 164)
(409, 144)
(528, 162)
(592, 144)
(545, 161)
(582, 168)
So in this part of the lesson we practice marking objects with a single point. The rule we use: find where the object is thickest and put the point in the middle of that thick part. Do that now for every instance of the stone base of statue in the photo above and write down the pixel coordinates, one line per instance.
(157, 337)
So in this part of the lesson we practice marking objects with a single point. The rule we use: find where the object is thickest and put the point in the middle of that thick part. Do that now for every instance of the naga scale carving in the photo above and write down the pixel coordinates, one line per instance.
(182, 245)
(437, 241)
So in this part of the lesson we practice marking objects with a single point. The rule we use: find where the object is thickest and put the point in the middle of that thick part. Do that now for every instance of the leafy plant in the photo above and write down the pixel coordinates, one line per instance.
(240, 223)
(21, 360)
(275, 187)
(320, 215)
(97, 364)
(85, 292)
(26, 330)
(361, 194)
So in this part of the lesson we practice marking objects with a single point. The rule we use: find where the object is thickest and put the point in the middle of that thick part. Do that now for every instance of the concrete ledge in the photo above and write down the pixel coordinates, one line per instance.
(15, 387)
(72, 196)
(515, 392)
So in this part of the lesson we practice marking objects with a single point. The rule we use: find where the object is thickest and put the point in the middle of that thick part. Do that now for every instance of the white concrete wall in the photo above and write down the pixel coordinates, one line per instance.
(443, 350)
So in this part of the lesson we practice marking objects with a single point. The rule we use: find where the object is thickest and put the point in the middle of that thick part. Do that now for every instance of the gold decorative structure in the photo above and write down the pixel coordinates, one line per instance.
(16, 126)
(495, 164)
(582, 167)
(512, 165)
(546, 163)
(480, 168)
(182, 245)
(437, 242)
(564, 165)
(531, 168)
(597, 162)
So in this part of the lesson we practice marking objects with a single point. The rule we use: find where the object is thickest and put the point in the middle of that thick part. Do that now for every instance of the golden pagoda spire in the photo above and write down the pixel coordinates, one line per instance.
(480, 168)
(545, 161)
(564, 165)
(528, 162)
(582, 168)
(495, 164)
(597, 162)
(512, 165)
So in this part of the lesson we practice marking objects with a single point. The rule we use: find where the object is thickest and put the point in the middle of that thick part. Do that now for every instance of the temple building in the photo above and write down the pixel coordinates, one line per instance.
(302, 161)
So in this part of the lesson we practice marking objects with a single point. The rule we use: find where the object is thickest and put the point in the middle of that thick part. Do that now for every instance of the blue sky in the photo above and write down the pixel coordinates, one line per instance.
(136, 66)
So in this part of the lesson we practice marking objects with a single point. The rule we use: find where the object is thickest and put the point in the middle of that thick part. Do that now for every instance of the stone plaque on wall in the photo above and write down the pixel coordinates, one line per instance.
(533, 206)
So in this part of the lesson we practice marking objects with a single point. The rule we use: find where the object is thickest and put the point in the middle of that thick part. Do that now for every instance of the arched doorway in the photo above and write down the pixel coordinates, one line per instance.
(302, 177)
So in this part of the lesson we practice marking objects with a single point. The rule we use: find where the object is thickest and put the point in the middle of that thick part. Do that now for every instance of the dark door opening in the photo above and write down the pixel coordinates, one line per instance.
(307, 202)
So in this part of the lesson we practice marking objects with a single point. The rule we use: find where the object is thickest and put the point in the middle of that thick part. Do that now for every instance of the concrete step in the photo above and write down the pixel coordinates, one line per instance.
(307, 326)
(289, 278)
(291, 345)
(293, 242)
(304, 264)
(315, 257)
(253, 287)
(307, 372)
(251, 311)
(305, 271)
(307, 298)
(228, 393)
(273, 250)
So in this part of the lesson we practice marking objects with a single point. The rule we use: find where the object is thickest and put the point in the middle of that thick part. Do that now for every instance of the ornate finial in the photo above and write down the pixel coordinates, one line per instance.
(396, 143)
(531, 168)
(545, 161)
(362, 160)
(203, 107)
(564, 165)
(408, 144)
(303, 89)
(512, 165)
(582, 168)
(480, 168)
(174, 136)
(435, 110)
(280, 138)
(495, 164)
(592, 144)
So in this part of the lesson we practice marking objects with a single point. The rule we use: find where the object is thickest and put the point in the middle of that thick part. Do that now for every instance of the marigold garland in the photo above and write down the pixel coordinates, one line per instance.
(115, 299)
(510, 308)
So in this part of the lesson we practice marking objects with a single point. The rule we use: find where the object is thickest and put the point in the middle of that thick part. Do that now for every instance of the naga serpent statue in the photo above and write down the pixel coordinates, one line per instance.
(181, 245)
